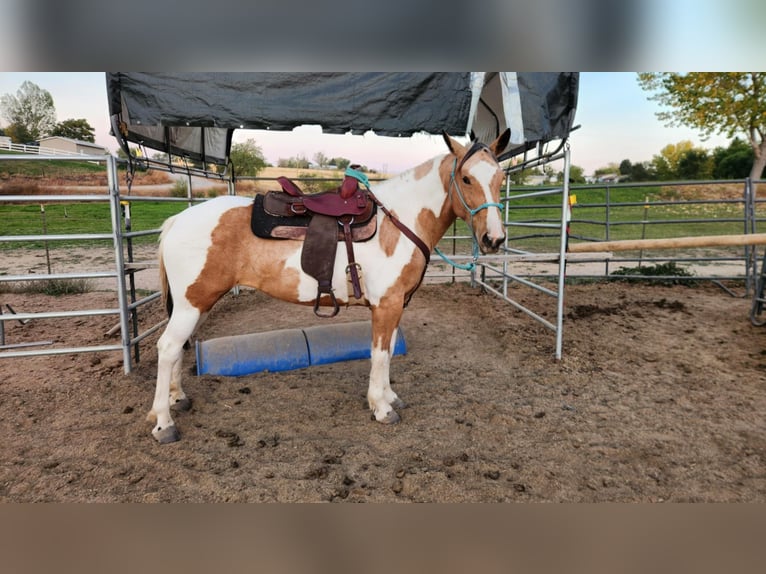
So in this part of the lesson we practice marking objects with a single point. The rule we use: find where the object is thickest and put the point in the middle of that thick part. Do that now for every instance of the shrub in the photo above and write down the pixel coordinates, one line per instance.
(673, 272)
(180, 188)
(54, 287)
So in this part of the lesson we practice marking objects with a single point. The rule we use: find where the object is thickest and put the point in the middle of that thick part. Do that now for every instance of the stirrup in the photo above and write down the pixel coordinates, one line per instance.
(336, 307)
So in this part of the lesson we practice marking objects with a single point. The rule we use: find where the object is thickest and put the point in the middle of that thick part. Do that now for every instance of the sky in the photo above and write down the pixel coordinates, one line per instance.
(617, 121)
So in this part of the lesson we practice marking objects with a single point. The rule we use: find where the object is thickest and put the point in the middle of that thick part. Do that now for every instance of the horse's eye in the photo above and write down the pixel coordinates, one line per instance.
(466, 180)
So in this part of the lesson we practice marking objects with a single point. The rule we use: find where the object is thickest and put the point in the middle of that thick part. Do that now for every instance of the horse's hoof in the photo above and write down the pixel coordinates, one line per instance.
(391, 418)
(399, 404)
(167, 435)
(185, 404)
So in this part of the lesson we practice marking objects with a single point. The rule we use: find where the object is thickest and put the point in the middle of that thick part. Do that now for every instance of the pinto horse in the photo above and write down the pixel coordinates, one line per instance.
(209, 248)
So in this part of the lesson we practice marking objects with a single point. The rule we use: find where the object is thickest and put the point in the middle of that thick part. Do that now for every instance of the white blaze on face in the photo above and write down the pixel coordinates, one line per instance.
(484, 173)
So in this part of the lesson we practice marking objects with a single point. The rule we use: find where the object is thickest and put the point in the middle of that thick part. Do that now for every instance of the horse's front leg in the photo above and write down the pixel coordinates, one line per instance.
(381, 398)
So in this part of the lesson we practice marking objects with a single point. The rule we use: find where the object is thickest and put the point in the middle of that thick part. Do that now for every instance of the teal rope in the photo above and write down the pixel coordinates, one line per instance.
(359, 176)
(485, 206)
(467, 267)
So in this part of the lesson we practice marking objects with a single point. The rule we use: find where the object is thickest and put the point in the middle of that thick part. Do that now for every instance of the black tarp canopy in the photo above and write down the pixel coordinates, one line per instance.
(195, 114)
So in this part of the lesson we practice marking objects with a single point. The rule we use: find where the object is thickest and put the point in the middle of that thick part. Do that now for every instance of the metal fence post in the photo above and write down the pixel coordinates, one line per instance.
(119, 262)
(562, 255)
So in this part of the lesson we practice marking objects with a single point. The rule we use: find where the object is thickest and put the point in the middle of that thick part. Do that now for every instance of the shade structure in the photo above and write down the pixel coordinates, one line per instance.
(195, 114)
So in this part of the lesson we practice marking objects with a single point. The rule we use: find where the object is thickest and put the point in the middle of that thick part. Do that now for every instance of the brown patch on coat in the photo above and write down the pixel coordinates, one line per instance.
(388, 236)
(423, 169)
(237, 257)
(431, 228)
(388, 312)
(385, 320)
(497, 183)
(445, 170)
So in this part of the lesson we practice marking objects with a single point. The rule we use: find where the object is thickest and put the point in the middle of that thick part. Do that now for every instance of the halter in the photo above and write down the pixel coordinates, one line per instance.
(477, 146)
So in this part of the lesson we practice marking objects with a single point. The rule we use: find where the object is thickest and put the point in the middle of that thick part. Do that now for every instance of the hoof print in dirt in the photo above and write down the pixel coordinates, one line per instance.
(232, 438)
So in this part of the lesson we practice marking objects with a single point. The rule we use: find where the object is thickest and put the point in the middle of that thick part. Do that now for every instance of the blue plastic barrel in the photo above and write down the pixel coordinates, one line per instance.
(344, 342)
(238, 355)
(288, 349)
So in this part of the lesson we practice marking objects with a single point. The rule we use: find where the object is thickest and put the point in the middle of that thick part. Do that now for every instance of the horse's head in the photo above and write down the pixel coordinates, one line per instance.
(474, 187)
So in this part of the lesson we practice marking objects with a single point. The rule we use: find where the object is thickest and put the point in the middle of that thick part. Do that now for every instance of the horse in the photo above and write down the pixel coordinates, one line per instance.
(208, 249)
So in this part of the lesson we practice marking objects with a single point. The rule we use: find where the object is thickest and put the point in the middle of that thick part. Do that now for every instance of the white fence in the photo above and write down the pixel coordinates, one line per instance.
(6, 144)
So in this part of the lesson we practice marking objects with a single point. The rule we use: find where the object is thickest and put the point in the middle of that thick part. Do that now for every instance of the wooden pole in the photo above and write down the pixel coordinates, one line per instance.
(670, 243)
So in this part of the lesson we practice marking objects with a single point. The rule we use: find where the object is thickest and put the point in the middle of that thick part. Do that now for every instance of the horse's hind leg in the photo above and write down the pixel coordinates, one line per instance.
(178, 399)
(181, 326)
(380, 396)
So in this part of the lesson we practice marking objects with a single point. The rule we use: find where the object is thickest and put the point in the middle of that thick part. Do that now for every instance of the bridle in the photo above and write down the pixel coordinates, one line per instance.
(456, 167)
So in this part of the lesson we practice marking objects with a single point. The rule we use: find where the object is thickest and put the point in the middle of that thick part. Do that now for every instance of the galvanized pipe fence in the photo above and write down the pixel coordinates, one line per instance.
(539, 221)
(542, 220)
(111, 196)
(123, 269)
(631, 216)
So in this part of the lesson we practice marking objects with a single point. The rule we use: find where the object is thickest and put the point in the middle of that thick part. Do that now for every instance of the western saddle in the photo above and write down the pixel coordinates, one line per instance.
(322, 220)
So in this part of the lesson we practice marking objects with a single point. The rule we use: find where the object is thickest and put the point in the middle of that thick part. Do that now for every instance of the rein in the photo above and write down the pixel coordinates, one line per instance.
(477, 146)
(359, 176)
(362, 178)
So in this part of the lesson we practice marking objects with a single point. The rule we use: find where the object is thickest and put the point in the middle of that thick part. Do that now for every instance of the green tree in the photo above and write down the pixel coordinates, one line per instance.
(733, 162)
(609, 169)
(247, 158)
(340, 162)
(694, 164)
(576, 175)
(730, 103)
(321, 159)
(634, 171)
(76, 129)
(18, 133)
(641, 172)
(665, 165)
(31, 111)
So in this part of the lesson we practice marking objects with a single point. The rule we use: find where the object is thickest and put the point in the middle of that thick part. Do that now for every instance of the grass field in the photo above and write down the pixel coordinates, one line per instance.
(633, 213)
(41, 177)
(668, 212)
(74, 218)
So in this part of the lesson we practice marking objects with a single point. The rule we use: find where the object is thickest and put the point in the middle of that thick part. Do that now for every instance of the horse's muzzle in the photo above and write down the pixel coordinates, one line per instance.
(491, 244)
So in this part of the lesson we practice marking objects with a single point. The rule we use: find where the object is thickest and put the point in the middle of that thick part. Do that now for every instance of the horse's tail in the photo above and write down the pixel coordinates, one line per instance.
(164, 286)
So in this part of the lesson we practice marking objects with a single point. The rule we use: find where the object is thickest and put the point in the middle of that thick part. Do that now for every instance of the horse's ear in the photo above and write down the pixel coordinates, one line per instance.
(501, 142)
(454, 146)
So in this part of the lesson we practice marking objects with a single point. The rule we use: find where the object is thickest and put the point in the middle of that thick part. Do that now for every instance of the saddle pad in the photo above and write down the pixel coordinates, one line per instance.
(263, 223)
(268, 226)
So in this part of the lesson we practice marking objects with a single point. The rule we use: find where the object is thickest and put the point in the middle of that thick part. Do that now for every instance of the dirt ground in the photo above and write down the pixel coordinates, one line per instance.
(660, 396)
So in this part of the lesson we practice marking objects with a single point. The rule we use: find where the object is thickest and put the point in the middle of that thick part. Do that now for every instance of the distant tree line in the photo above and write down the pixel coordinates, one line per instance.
(320, 160)
(683, 162)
